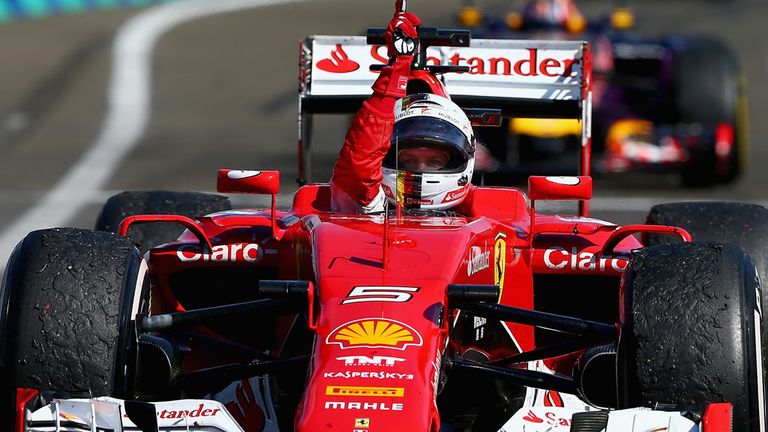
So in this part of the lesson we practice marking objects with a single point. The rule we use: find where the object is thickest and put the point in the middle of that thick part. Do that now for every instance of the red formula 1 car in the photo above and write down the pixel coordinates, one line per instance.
(492, 317)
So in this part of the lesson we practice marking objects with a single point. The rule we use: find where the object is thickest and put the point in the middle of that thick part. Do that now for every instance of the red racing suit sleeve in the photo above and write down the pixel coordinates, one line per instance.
(356, 181)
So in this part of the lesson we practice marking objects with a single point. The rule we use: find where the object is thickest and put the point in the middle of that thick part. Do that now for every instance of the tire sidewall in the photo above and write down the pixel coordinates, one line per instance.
(683, 366)
(131, 294)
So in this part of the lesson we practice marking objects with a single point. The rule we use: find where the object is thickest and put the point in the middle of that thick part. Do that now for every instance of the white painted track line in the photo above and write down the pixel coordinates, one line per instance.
(125, 123)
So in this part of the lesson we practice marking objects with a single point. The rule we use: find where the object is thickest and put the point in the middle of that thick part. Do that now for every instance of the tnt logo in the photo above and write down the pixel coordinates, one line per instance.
(369, 361)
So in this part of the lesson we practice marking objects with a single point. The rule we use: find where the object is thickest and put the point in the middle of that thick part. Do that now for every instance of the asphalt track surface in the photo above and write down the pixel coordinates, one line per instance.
(222, 94)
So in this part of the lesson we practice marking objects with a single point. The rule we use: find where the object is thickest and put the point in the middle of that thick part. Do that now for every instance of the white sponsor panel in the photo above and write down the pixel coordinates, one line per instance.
(249, 401)
(540, 413)
(553, 419)
(641, 420)
(109, 414)
(525, 69)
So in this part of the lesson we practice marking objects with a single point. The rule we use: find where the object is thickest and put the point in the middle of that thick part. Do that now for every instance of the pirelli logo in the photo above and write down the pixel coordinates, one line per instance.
(364, 391)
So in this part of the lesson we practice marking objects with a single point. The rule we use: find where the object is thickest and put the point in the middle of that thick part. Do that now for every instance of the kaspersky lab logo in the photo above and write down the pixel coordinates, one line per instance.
(374, 333)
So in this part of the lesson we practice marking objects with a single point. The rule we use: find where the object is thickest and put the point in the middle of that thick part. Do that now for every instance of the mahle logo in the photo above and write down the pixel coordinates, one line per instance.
(374, 333)
(364, 391)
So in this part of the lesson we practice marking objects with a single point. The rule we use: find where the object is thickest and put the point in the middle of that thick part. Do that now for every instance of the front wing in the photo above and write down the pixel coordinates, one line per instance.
(108, 414)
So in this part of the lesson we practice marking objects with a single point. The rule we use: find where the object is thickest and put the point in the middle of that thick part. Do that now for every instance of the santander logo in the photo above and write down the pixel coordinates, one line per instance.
(534, 64)
(532, 417)
(339, 62)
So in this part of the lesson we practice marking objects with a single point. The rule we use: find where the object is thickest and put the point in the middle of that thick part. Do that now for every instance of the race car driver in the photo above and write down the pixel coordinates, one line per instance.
(417, 149)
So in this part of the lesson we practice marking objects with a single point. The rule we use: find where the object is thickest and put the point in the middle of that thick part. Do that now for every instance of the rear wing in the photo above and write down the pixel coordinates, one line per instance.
(523, 78)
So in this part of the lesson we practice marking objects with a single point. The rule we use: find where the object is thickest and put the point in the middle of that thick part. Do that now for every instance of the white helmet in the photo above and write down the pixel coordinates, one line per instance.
(433, 123)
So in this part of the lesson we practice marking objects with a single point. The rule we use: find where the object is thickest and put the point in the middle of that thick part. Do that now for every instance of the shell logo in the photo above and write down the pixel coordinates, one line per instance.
(374, 333)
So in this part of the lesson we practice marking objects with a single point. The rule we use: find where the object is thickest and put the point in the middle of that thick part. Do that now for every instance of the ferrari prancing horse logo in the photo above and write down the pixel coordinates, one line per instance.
(500, 261)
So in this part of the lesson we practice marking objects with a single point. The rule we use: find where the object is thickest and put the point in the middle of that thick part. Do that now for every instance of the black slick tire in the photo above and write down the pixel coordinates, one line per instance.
(707, 91)
(741, 224)
(69, 296)
(690, 330)
(190, 204)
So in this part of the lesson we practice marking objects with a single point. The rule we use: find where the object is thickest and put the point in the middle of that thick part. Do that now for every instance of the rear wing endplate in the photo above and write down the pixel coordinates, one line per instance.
(523, 78)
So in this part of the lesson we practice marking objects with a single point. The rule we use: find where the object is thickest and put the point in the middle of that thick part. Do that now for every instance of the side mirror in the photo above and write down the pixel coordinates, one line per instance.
(251, 182)
(483, 117)
(542, 188)
(559, 188)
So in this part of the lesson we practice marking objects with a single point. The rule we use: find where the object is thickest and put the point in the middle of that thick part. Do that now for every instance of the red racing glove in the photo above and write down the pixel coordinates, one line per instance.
(402, 35)
(402, 38)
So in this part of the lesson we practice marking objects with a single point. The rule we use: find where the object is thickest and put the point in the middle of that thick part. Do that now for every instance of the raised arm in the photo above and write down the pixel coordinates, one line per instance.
(356, 181)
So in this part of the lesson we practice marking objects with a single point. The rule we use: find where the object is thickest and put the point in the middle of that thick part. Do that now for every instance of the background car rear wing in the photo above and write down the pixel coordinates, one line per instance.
(523, 78)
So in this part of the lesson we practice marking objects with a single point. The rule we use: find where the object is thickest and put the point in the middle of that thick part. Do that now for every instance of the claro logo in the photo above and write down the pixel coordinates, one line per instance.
(561, 258)
(244, 252)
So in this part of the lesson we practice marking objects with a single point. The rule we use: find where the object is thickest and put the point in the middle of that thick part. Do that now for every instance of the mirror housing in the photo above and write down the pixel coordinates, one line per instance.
(559, 188)
(253, 182)
(249, 182)
(483, 117)
(555, 188)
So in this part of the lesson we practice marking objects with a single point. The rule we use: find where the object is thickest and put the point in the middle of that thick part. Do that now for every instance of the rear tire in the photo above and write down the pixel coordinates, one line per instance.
(708, 90)
(190, 204)
(69, 298)
(690, 330)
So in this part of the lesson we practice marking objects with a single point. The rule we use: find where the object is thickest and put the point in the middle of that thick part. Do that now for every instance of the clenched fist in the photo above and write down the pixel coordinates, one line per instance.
(402, 34)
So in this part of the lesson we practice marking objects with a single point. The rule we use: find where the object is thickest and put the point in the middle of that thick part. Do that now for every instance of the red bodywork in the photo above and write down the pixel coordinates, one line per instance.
(380, 312)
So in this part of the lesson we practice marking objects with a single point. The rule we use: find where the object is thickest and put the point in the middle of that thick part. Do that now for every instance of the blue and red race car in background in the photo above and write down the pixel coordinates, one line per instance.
(671, 103)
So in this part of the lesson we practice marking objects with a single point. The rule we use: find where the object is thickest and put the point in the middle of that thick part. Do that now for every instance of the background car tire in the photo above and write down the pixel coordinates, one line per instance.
(69, 296)
(689, 330)
(707, 91)
(129, 203)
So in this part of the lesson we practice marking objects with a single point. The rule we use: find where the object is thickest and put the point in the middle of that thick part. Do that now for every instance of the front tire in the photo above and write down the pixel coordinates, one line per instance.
(69, 298)
(741, 224)
(690, 330)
